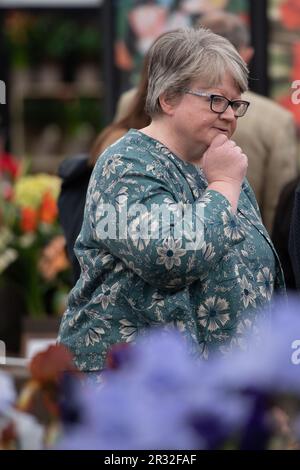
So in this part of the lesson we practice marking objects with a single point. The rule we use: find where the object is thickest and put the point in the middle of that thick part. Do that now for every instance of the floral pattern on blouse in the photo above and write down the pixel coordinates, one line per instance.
(211, 288)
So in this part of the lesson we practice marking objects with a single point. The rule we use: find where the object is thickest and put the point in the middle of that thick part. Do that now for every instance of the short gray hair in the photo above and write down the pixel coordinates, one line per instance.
(179, 57)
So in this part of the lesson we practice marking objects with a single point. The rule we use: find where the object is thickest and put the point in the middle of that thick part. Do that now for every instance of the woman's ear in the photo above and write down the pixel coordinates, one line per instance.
(166, 104)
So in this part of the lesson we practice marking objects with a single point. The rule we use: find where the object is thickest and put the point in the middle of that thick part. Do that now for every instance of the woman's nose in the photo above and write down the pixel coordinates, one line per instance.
(228, 114)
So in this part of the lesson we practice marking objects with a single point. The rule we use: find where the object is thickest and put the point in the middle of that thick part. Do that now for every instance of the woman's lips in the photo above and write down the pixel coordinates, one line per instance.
(220, 129)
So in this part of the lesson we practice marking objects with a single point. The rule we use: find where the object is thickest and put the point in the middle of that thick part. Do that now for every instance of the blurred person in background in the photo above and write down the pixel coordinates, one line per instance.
(209, 276)
(76, 172)
(267, 134)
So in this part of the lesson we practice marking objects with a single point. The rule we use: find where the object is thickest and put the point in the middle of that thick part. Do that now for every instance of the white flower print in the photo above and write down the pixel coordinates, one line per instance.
(85, 276)
(74, 318)
(244, 328)
(170, 253)
(95, 315)
(93, 336)
(204, 200)
(214, 313)
(232, 228)
(128, 330)
(131, 265)
(108, 295)
(157, 300)
(110, 165)
(266, 281)
(208, 251)
(248, 294)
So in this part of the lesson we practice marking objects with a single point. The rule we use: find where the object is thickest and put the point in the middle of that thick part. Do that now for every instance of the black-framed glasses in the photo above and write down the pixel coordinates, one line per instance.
(219, 104)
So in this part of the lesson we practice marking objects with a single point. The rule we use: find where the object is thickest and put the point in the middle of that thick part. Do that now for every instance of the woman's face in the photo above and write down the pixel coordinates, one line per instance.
(196, 124)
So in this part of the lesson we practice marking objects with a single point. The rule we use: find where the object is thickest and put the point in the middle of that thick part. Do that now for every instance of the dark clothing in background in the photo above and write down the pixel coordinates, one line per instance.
(75, 173)
(281, 232)
(294, 240)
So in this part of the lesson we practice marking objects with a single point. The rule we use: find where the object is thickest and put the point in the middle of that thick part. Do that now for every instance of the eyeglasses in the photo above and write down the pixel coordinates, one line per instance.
(219, 104)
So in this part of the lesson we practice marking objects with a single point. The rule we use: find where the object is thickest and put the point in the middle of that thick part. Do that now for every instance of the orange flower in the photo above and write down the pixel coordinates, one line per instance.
(29, 219)
(48, 209)
(296, 61)
(54, 258)
(290, 14)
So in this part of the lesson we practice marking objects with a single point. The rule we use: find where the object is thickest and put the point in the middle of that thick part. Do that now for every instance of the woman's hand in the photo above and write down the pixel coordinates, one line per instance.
(225, 166)
(224, 161)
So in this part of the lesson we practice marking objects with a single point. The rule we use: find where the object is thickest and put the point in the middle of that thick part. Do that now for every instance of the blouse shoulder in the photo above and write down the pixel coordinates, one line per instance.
(112, 137)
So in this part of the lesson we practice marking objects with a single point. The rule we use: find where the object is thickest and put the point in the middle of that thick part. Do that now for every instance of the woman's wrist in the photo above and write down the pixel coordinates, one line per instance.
(229, 190)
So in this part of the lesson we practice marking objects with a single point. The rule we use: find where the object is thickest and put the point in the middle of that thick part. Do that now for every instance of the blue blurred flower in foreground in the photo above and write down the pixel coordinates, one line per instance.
(267, 364)
(157, 400)
(8, 393)
(24, 430)
(162, 398)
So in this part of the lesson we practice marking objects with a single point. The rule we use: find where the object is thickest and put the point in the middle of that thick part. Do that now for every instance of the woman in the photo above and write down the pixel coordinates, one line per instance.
(208, 265)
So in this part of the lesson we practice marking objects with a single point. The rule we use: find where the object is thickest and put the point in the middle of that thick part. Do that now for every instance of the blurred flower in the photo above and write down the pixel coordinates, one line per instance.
(47, 366)
(29, 219)
(9, 165)
(53, 258)
(7, 392)
(290, 14)
(48, 209)
(156, 400)
(17, 430)
(155, 394)
(30, 190)
(158, 397)
(31, 255)
(48, 370)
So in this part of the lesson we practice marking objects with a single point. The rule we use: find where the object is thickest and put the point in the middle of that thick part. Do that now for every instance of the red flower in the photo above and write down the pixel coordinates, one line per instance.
(290, 14)
(48, 366)
(29, 219)
(48, 209)
(47, 369)
(9, 165)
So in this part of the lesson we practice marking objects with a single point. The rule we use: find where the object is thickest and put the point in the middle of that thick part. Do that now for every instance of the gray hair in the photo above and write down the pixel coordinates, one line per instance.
(228, 25)
(179, 57)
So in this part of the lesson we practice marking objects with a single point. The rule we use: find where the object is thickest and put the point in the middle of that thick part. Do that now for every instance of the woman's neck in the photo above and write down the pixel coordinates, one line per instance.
(159, 130)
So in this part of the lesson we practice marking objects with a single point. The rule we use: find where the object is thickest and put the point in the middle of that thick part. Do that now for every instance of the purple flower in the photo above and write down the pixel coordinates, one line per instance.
(155, 401)
(163, 398)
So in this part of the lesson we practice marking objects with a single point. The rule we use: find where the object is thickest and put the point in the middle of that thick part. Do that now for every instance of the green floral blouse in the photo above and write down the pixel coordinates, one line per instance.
(128, 283)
